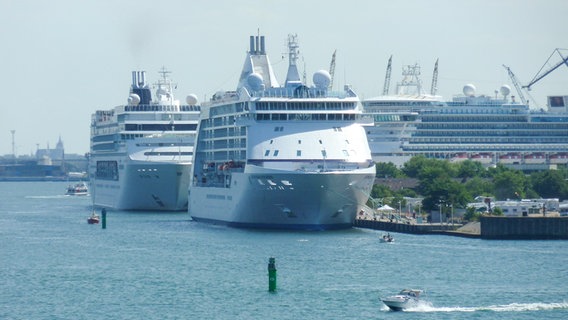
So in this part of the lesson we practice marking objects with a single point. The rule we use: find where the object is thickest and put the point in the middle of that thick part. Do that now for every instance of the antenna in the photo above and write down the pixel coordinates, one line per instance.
(13, 144)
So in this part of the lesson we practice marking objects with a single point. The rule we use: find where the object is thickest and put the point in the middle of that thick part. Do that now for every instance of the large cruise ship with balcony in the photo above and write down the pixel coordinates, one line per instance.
(489, 129)
(141, 153)
(281, 157)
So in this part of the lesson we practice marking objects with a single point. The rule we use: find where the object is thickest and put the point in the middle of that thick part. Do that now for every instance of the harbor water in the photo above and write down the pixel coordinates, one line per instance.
(150, 265)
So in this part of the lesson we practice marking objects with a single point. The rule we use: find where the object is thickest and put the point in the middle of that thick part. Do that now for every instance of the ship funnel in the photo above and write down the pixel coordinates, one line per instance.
(262, 45)
(138, 79)
(257, 45)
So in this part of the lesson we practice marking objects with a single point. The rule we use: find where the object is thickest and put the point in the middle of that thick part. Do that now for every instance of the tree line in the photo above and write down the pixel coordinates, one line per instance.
(442, 181)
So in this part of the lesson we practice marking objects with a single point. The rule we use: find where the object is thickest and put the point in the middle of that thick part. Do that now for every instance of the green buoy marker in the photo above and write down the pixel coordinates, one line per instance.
(104, 213)
(271, 275)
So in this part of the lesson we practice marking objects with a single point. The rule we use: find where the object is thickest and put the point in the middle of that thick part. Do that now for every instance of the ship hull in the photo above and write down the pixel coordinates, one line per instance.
(147, 186)
(284, 200)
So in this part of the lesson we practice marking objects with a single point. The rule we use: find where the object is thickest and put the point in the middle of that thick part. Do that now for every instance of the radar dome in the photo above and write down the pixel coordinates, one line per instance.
(469, 90)
(133, 99)
(191, 99)
(255, 81)
(505, 90)
(322, 79)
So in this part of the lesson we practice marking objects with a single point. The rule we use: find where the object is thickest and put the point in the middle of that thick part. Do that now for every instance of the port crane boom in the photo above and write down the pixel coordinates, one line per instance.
(541, 74)
(332, 69)
(387, 78)
(434, 87)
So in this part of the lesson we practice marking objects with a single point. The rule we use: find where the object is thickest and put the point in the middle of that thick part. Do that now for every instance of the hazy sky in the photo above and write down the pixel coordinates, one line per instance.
(63, 59)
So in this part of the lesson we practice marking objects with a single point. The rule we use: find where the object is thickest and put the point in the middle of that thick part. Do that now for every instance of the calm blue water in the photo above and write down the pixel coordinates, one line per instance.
(53, 265)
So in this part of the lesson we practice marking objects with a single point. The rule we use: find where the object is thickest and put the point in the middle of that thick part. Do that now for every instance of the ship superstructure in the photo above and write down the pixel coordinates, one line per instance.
(488, 129)
(289, 157)
(141, 153)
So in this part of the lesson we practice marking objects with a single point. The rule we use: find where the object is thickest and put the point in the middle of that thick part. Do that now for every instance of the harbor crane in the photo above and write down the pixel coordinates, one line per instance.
(387, 77)
(541, 74)
(434, 87)
(518, 87)
(332, 69)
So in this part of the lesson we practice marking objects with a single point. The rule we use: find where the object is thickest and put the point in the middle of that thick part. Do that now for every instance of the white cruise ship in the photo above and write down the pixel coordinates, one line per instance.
(397, 116)
(281, 157)
(141, 153)
(488, 129)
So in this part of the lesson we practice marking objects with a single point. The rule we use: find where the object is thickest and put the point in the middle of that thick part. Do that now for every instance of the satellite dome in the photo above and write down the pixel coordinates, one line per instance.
(322, 79)
(191, 99)
(255, 81)
(505, 90)
(469, 90)
(133, 99)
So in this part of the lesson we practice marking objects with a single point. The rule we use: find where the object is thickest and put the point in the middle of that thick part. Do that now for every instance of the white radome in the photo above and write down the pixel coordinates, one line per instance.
(469, 90)
(322, 79)
(133, 99)
(255, 81)
(191, 99)
(505, 90)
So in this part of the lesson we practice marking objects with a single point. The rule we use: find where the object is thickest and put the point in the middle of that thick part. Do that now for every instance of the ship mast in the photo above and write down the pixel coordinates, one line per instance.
(293, 76)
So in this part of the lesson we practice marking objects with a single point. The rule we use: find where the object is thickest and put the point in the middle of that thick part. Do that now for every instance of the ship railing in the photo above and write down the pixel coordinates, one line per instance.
(296, 93)
(160, 108)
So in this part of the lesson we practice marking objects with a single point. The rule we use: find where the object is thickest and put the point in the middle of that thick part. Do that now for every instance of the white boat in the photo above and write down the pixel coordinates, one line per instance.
(405, 299)
(387, 238)
(141, 153)
(286, 157)
(78, 189)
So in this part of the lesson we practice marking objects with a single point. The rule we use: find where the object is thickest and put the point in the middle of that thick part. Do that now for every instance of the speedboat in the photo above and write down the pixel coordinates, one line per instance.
(387, 238)
(94, 218)
(407, 298)
(79, 189)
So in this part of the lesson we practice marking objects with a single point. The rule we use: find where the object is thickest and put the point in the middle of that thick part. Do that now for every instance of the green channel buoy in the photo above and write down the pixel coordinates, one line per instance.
(104, 213)
(271, 275)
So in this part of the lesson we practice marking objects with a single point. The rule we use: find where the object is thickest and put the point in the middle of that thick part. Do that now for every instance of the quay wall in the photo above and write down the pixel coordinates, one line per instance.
(402, 227)
(528, 228)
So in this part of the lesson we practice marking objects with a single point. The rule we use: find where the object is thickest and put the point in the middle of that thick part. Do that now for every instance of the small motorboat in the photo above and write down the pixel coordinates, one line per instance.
(387, 238)
(407, 298)
(79, 189)
(94, 218)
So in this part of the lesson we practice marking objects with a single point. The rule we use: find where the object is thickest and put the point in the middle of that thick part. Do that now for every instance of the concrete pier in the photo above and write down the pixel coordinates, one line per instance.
(426, 228)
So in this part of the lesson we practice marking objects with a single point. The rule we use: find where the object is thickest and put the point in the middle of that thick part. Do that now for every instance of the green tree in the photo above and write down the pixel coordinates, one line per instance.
(381, 191)
(478, 186)
(471, 214)
(388, 170)
(412, 167)
(550, 184)
(497, 211)
(510, 184)
(470, 169)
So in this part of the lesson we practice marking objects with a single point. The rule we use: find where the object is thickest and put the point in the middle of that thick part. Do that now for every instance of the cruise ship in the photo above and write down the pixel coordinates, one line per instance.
(488, 129)
(276, 156)
(141, 153)
(397, 116)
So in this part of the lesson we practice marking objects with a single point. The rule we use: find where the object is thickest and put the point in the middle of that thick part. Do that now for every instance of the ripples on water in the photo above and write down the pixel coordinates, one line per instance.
(53, 265)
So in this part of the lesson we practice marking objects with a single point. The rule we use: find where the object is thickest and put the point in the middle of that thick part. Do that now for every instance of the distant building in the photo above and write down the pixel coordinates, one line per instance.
(56, 154)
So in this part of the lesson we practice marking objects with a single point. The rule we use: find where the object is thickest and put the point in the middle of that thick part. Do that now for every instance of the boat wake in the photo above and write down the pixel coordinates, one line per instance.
(513, 307)
(62, 196)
